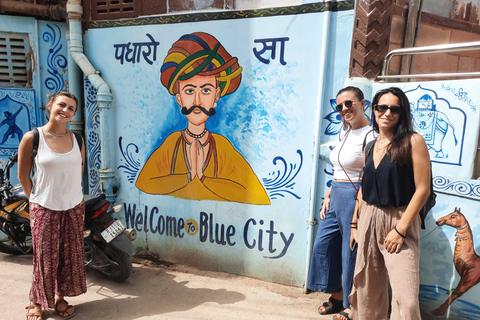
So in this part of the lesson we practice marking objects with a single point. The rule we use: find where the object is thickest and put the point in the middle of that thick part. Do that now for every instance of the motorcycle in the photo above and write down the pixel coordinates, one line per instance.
(107, 242)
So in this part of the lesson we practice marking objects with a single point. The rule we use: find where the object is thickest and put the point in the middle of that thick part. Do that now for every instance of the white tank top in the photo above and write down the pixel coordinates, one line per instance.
(351, 154)
(57, 182)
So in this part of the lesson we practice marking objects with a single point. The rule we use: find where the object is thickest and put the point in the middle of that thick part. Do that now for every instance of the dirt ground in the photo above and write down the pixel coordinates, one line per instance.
(164, 291)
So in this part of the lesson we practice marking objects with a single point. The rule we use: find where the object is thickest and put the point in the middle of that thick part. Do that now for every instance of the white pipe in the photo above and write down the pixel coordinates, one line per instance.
(316, 150)
(104, 97)
(75, 86)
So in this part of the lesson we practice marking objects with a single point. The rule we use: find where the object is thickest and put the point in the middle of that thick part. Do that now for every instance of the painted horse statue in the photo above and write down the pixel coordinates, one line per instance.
(466, 261)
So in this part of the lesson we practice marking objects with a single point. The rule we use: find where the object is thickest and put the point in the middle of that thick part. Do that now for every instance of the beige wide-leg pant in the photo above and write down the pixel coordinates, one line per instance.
(375, 266)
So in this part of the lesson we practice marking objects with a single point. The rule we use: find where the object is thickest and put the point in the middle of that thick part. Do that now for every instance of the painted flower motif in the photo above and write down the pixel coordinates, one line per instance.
(132, 164)
(335, 119)
(92, 137)
(462, 96)
(91, 91)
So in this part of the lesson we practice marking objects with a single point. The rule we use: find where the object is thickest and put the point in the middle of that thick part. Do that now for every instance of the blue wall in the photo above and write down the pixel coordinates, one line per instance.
(270, 120)
(49, 74)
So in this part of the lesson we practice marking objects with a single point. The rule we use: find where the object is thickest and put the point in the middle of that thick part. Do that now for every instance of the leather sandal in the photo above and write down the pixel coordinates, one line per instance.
(337, 306)
(342, 313)
(37, 315)
(68, 312)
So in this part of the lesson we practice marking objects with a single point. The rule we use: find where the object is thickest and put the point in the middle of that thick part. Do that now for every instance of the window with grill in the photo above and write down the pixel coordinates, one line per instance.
(15, 67)
(114, 9)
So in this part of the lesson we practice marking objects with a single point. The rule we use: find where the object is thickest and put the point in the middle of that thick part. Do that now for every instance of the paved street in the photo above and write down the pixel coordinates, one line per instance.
(164, 292)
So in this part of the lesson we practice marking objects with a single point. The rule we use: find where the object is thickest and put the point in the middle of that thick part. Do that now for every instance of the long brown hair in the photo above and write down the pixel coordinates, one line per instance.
(400, 150)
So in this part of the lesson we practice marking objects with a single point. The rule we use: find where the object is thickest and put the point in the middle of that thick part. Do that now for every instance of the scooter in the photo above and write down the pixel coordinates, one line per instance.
(107, 242)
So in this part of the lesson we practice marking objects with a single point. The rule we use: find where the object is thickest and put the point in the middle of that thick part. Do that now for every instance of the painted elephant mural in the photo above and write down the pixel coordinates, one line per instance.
(431, 124)
(436, 116)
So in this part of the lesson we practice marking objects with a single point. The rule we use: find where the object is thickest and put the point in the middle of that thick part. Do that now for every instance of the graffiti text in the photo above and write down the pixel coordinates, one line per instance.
(257, 234)
(124, 52)
(272, 47)
(252, 243)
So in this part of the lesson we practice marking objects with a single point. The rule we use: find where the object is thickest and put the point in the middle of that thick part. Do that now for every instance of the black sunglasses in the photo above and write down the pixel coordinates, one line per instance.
(348, 104)
(384, 108)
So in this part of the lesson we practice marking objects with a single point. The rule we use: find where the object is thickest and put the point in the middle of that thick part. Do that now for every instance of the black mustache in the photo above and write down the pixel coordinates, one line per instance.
(209, 113)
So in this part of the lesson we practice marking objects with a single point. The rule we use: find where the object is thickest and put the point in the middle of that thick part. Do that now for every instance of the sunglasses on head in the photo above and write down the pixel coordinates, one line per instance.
(348, 104)
(384, 108)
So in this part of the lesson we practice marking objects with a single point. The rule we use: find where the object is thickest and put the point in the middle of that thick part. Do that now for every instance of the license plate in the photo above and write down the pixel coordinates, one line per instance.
(113, 231)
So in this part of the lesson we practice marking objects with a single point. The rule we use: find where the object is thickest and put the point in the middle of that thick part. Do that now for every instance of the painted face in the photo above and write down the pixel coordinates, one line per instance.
(198, 91)
(62, 109)
(352, 113)
(387, 120)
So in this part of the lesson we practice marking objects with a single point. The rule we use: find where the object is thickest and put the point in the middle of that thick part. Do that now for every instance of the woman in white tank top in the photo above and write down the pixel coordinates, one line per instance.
(57, 209)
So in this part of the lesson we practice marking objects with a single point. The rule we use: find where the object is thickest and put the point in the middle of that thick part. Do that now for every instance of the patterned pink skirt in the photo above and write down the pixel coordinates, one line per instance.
(58, 254)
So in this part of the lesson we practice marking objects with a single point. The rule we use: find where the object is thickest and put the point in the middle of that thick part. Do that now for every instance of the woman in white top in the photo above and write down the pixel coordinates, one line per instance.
(332, 258)
(57, 209)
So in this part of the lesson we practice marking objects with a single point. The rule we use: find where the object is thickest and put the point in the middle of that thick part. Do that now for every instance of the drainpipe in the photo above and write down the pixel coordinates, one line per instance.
(75, 86)
(316, 152)
(104, 98)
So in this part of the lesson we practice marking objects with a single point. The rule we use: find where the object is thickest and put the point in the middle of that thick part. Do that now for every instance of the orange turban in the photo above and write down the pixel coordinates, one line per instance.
(200, 54)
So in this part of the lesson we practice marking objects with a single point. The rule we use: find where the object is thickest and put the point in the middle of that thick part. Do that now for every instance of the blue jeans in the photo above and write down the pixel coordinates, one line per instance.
(332, 258)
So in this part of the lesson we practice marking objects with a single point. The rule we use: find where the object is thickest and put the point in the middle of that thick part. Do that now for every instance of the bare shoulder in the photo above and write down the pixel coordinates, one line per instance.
(27, 141)
(419, 147)
(28, 135)
(417, 140)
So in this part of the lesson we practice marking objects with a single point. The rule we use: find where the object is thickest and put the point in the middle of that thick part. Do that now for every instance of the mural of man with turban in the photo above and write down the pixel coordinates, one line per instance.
(195, 163)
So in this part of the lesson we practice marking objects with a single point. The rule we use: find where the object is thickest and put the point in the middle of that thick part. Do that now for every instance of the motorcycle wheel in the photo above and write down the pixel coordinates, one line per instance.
(7, 245)
(120, 266)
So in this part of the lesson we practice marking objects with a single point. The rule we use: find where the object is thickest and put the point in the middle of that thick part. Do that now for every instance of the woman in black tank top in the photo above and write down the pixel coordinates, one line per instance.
(395, 186)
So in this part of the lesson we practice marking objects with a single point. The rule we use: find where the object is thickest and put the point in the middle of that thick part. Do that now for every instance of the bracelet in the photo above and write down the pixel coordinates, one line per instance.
(352, 227)
(401, 235)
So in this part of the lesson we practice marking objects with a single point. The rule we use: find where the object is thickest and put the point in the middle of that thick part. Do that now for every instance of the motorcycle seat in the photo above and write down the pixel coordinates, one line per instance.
(93, 204)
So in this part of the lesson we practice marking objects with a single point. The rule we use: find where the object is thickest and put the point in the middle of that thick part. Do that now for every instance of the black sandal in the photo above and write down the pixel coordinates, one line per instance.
(344, 314)
(337, 306)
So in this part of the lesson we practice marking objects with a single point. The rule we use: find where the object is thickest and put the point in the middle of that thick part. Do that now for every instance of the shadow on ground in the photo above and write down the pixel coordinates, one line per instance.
(147, 293)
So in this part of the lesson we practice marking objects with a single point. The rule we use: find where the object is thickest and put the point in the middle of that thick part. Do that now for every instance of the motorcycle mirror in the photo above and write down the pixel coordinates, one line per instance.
(117, 208)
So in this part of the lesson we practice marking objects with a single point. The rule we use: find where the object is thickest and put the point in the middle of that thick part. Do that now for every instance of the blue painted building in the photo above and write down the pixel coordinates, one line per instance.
(285, 65)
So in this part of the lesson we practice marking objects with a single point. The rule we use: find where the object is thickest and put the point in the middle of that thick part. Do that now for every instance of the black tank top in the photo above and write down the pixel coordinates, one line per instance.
(390, 185)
